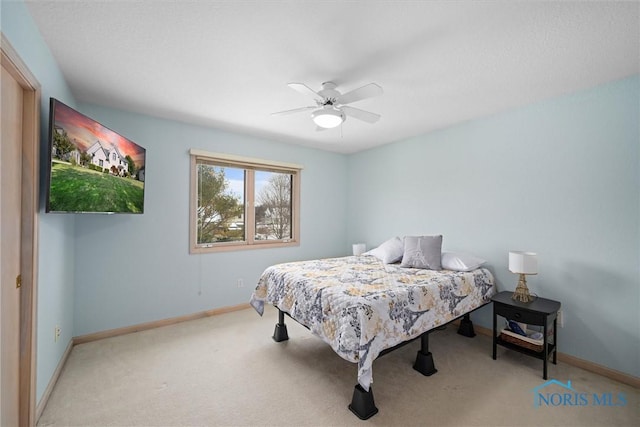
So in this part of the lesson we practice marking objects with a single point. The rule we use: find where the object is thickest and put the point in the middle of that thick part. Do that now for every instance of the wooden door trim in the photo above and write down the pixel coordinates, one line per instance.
(12, 62)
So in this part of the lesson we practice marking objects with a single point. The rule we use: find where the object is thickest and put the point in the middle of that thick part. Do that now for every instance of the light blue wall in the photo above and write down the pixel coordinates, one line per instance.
(56, 233)
(561, 178)
(137, 268)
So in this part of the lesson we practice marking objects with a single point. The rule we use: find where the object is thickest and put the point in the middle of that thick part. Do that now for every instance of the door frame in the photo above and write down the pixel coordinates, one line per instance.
(12, 62)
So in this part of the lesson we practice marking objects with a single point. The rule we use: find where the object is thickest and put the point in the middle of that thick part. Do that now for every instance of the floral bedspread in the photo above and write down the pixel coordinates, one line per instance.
(360, 306)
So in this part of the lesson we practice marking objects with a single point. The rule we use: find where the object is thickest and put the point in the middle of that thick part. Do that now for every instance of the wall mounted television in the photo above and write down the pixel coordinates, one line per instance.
(91, 169)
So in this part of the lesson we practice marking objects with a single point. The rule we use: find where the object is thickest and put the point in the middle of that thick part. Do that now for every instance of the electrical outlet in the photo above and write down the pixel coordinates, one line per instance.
(561, 318)
(240, 283)
(57, 333)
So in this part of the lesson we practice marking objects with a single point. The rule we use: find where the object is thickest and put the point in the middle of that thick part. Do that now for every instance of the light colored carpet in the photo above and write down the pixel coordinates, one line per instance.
(226, 370)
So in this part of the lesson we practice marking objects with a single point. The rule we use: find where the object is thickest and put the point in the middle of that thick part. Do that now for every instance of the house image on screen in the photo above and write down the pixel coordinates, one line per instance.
(107, 156)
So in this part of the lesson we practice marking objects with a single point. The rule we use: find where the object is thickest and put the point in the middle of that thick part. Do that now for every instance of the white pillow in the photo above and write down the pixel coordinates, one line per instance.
(460, 262)
(388, 252)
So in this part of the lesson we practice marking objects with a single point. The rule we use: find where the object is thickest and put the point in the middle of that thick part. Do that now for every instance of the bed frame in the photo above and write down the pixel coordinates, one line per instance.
(362, 403)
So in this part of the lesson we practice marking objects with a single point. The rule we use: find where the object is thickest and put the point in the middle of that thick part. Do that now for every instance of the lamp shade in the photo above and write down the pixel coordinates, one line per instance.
(523, 262)
(359, 248)
(328, 117)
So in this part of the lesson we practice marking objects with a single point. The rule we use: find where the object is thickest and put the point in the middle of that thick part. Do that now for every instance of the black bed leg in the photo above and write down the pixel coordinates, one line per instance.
(362, 404)
(280, 333)
(466, 327)
(424, 360)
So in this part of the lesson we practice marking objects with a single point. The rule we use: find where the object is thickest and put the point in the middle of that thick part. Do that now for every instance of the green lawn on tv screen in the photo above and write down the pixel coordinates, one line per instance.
(78, 189)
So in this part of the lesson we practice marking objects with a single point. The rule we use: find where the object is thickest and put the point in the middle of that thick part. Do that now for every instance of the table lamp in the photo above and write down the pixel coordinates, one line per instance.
(359, 249)
(523, 263)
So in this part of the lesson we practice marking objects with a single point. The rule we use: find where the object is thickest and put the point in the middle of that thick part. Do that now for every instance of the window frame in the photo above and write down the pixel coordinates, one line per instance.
(250, 165)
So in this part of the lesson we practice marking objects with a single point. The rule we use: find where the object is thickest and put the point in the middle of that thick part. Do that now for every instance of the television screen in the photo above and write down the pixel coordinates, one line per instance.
(91, 167)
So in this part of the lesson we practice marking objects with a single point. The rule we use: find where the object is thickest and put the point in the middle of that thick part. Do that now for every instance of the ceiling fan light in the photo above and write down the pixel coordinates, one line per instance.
(327, 117)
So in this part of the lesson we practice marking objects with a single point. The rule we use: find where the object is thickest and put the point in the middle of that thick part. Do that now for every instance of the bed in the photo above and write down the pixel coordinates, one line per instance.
(363, 307)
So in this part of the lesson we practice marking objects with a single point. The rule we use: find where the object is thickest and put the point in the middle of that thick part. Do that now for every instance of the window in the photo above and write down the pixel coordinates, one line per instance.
(242, 203)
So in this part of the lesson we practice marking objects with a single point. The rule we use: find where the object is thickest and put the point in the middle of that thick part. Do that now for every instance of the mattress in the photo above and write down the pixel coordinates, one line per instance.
(360, 306)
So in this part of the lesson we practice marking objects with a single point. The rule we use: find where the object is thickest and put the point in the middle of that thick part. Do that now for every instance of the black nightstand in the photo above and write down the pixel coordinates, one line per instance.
(538, 312)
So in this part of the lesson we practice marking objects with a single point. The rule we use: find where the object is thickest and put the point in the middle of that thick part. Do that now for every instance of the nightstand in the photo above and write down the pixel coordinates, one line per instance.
(538, 312)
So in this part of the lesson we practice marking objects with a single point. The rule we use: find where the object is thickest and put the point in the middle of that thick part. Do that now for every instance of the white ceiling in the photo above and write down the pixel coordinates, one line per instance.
(226, 64)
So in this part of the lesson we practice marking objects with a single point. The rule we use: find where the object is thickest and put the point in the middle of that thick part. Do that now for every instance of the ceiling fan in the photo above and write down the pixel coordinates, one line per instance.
(331, 107)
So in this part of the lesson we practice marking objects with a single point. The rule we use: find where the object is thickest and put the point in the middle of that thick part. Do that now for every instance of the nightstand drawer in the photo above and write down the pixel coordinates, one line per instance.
(514, 313)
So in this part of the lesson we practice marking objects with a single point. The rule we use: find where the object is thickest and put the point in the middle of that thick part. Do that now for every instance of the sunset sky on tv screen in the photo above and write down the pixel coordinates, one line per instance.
(84, 132)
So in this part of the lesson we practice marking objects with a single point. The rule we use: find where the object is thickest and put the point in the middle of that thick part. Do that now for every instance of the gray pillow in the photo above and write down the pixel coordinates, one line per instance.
(422, 252)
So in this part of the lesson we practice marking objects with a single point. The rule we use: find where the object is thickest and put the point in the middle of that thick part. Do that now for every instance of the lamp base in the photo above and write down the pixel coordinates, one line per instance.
(522, 292)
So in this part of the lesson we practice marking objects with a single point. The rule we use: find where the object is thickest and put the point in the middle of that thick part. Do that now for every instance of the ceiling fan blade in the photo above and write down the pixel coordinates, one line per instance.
(320, 128)
(366, 91)
(304, 89)
(359, 114)
(295, 110)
